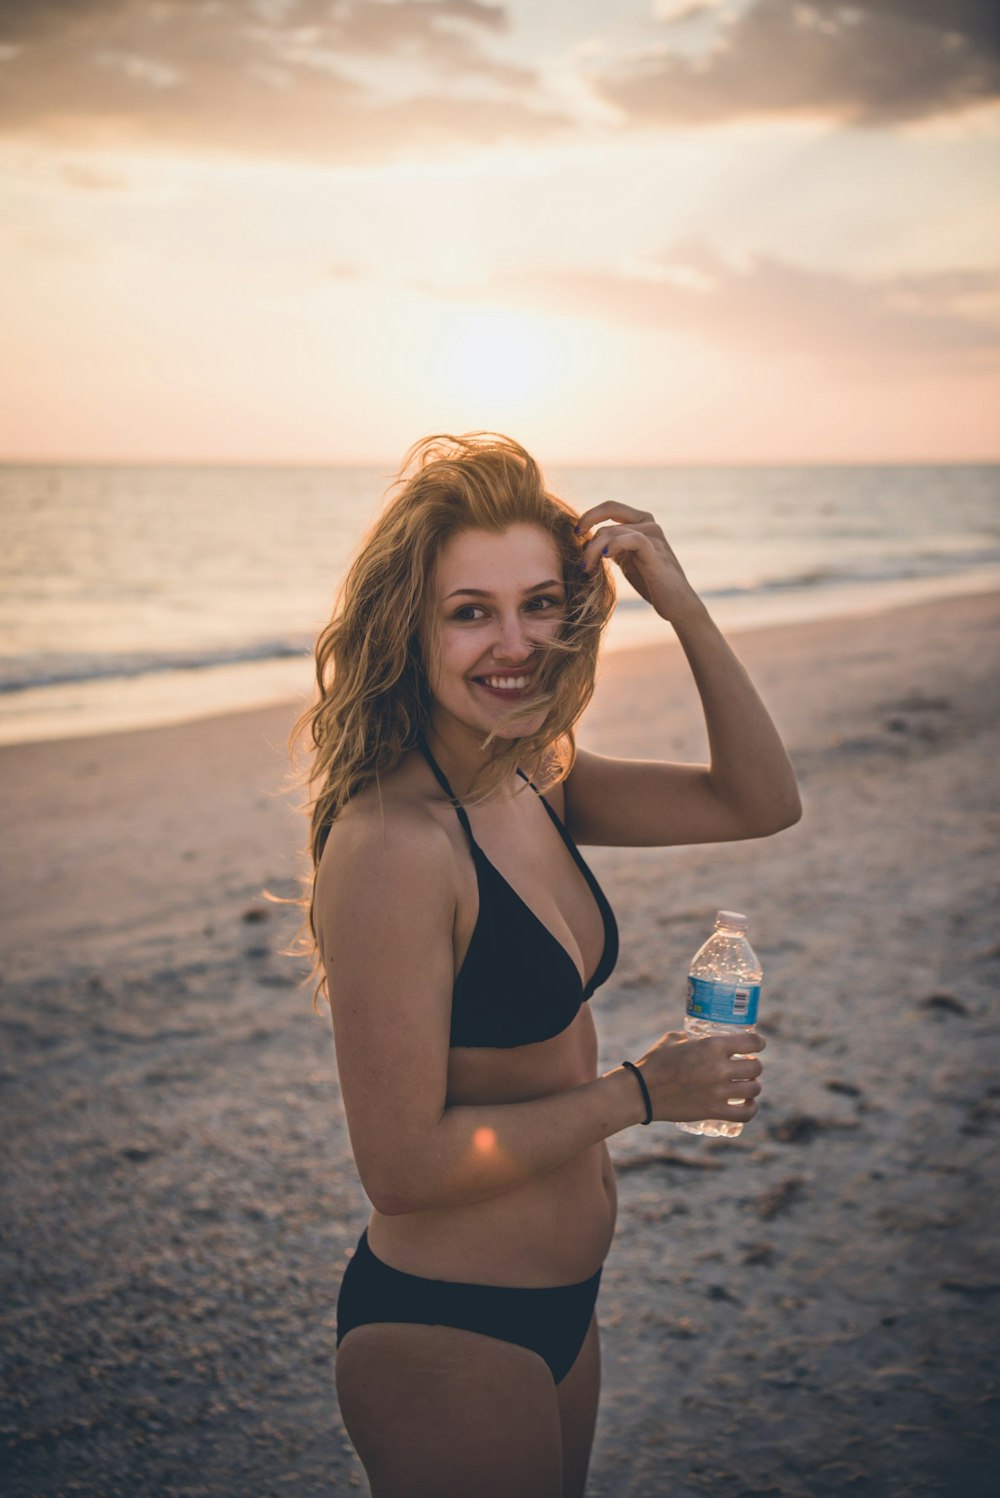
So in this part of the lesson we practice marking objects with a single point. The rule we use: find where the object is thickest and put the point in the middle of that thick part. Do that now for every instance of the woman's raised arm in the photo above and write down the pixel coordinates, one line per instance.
(748, 789)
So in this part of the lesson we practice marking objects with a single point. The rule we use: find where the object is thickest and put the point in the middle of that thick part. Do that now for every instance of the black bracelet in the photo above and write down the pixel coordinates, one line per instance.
(643, 1088)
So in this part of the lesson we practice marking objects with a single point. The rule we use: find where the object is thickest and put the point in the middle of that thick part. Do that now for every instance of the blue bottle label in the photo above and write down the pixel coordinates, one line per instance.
(723, 1003)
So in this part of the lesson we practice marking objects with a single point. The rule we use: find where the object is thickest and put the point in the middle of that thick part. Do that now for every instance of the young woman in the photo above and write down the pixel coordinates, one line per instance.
(460, 935)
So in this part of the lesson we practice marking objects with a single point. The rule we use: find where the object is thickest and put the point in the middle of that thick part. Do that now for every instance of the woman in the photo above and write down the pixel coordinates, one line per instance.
(461, 935)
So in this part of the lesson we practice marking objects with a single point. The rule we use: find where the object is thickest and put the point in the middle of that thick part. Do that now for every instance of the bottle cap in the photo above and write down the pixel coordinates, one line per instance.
(732, 919)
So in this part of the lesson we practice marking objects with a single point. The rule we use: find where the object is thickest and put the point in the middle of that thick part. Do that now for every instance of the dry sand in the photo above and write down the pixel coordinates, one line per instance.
(811, 1310)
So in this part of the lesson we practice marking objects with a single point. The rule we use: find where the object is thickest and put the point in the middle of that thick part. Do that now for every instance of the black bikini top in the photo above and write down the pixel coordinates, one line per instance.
(518, 984)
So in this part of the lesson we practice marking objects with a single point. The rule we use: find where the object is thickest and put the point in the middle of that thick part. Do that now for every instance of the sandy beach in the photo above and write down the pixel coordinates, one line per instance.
(809, 1312)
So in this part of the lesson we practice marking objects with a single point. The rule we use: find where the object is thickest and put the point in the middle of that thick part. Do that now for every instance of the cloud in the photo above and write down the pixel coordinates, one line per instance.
(264, 77)
(868, 63)
(940, 321)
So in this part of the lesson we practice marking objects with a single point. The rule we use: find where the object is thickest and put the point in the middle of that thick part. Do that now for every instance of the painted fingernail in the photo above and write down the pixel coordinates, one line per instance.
(604, 552)
(576, 528)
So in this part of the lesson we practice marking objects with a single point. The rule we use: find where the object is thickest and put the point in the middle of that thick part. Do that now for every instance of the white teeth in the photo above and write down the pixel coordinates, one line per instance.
(507, 683)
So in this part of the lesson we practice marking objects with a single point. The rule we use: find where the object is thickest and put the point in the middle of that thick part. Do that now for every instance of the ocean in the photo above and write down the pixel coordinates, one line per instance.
(131, 596)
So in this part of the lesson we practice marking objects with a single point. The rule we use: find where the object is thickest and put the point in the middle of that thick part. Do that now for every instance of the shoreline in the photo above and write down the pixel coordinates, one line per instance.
(164, 699)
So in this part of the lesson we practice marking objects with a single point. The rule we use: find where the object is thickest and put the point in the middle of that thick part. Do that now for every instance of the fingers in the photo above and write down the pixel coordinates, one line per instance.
(610, 509)
(615, 543)
(738, 1045)
(738, 1113)
(743, 1070)
(738, 1090)
(715, 1076)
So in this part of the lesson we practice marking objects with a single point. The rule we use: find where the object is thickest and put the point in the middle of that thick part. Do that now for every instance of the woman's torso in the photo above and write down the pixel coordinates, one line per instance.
(557, 1228)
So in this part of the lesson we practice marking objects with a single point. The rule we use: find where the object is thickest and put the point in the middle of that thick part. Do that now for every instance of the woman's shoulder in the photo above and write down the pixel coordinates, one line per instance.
(387, 861)
(388, 830)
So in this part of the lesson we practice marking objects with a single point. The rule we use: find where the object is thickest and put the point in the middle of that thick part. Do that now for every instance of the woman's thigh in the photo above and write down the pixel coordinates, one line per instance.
(578, 1397)
(436, 1412)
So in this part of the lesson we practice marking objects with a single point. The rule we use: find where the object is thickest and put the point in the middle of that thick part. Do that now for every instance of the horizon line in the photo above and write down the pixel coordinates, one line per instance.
(393, 465)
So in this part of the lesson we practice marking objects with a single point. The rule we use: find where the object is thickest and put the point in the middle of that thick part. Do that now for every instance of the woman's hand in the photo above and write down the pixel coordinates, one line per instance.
(640, 548)
(691, 1079)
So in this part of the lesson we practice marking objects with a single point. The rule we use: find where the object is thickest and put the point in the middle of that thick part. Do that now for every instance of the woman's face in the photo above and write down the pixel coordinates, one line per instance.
(496, 597)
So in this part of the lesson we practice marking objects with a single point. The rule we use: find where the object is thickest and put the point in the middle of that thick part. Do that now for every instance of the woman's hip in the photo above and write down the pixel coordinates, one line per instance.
(552, 1321)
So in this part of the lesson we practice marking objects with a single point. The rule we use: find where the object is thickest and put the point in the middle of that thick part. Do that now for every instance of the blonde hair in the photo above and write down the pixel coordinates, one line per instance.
(373, 701)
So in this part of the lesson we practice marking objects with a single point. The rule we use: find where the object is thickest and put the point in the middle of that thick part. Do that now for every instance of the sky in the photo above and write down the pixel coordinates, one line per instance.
(621, 231)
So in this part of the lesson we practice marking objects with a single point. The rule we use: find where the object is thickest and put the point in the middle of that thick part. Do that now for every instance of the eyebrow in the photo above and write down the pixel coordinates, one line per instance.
(551, 582)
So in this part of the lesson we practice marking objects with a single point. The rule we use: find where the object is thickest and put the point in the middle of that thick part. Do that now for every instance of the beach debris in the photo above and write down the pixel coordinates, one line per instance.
(982, 1114)
(668, 1157)
(800, 1128)
(916, 702)
(835, 1084)
(946, 1002)
(256, 913)
(257, 952)
(780, 1197)
(641, 978)
(759, 1253)
(719, 1292)
(963, 1287)
(682, 1328)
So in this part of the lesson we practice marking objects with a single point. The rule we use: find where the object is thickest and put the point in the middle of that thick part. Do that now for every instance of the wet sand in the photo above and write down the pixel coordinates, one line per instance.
(811, 1310)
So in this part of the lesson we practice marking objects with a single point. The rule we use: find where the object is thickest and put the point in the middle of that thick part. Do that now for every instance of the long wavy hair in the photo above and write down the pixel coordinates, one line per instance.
(373, 702)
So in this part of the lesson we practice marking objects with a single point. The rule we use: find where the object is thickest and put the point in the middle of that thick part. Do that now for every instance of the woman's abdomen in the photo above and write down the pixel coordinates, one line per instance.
(552, 1231)
(557, 1228)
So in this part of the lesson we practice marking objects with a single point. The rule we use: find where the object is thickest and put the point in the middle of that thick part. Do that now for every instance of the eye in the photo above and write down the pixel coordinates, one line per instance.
(468, 613)
(543, 603)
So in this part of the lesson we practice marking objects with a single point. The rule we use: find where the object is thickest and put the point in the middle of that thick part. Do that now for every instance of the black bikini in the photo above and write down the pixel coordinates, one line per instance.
(518, 985)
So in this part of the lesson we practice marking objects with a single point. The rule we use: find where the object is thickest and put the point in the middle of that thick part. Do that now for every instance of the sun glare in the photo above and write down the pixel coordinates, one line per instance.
(493, 355)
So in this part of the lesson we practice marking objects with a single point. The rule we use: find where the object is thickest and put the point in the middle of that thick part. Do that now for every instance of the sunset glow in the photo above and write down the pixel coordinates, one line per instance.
(632, 233)
(494, 355)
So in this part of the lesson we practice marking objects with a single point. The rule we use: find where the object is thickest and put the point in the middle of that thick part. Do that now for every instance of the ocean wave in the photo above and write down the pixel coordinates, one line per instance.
(22, 672)
(924, 564)
(19, 673)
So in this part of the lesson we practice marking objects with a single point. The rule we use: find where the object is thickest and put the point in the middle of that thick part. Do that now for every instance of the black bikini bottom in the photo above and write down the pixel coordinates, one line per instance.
(552, 1322)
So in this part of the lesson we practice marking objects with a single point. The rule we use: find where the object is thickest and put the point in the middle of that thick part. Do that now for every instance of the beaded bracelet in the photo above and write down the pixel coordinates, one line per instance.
(643, 1088)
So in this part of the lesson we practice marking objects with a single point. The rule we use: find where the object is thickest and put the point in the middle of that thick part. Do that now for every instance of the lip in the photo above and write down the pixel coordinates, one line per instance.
(506, 694)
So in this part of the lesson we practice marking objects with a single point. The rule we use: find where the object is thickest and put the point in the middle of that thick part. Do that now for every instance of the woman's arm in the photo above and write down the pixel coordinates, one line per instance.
(385, 908)
(748, 789)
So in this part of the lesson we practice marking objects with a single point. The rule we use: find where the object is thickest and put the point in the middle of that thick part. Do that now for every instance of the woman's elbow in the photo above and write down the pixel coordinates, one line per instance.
(775, 818)
(394, 1192)
(786, 814)
(388, 1203)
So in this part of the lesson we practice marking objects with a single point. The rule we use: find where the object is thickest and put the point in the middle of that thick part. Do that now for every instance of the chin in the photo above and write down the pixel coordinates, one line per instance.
(521, 730)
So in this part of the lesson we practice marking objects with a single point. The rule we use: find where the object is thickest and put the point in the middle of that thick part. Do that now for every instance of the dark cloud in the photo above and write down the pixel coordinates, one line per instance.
(868, 63)
(938, 321)
(271, 77)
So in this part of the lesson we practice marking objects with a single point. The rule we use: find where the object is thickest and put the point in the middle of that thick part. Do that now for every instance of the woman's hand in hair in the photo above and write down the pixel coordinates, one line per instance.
(635, 541)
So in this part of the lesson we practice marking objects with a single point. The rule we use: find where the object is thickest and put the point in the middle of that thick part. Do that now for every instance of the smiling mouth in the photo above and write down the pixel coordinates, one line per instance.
(510, 685)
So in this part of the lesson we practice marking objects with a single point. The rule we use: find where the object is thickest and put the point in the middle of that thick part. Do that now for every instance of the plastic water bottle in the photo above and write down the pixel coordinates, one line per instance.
(723, 995)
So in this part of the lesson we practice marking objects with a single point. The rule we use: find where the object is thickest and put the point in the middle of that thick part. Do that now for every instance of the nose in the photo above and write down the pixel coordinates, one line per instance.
(512, 643)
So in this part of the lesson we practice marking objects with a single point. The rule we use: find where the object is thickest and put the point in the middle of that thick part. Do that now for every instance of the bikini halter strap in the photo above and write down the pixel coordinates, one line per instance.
(442, 781)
